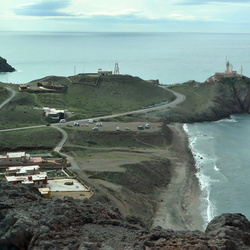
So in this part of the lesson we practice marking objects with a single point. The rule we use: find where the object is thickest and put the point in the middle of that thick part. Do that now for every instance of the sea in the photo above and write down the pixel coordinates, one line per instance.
(221, 148)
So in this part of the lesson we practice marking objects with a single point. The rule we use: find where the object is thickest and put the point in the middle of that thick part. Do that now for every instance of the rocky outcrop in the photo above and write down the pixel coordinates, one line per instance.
(5, 67)
(29, 221)
(212, 101)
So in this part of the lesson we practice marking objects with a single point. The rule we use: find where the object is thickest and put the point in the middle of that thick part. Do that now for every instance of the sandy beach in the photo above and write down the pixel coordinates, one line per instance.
(178, 208)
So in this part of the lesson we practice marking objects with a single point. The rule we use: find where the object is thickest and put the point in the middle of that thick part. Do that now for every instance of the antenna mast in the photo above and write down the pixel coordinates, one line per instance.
(116, 70)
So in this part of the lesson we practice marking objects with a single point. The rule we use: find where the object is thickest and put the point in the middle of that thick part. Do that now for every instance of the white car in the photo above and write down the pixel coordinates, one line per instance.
(95, 128)
(90, 121)
(62, 121)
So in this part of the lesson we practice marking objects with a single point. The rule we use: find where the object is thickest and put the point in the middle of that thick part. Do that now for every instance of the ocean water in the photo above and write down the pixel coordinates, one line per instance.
(221, 150)
(169, 57)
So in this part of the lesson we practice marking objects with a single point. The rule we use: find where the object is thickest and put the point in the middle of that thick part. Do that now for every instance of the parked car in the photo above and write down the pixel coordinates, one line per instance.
(127, 128)
(147, 126)
(62, 121)
(99, 124)
(140, 127)
(117, 128)
(91, 142)
(76, 124)
(95, 128)
(90, 121)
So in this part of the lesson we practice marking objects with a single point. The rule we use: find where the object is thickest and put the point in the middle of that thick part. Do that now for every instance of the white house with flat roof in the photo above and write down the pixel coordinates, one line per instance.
(102, 72)
(14, 158)
(53, 113)
(29, 175)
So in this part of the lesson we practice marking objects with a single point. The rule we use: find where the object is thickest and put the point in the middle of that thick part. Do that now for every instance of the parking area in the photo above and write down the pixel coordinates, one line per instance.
(120, 126)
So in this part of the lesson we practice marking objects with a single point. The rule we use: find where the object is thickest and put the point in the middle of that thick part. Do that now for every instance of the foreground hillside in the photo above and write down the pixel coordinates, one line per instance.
(211, 101)
(29, 221)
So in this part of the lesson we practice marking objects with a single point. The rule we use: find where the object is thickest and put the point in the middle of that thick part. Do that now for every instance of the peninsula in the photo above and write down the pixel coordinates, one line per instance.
(125, 141)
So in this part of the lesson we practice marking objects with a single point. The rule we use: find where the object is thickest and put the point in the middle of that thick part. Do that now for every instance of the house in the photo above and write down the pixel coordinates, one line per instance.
(104, 72)
(14, 158)
(51, 86)
(28, 175)
(23, 87)
(54, 114)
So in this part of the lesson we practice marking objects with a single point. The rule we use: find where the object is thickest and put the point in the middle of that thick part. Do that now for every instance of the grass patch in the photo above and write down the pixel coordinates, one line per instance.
(115, 139)
(33, 138)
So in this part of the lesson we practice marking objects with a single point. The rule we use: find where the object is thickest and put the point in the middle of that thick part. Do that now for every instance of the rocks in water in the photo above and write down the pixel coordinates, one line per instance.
(5, 67)
(29, 221)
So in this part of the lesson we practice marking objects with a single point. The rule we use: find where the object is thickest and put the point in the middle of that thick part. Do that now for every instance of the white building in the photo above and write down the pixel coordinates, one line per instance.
(29, 175)
(102, 72)
(53, 113)
(14, 158)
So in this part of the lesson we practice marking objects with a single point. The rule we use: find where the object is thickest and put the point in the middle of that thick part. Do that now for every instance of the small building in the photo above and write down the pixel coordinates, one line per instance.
(229, 72)
(28, 175)
(51, 86)
(45, 192)
(102, 72)
(54, 114)
(22, 170)
(23, 87)
(14, 158)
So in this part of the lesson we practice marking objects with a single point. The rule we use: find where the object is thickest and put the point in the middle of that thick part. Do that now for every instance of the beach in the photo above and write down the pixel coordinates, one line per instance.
(179, 204)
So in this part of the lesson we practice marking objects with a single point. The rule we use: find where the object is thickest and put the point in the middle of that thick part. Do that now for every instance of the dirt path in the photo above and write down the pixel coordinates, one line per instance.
(13, 93)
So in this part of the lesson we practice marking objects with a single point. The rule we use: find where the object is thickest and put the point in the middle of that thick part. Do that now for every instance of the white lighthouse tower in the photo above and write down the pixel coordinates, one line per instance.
(229, 67)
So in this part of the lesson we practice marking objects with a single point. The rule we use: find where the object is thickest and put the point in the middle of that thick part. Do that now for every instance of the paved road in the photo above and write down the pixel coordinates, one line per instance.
(179, 99)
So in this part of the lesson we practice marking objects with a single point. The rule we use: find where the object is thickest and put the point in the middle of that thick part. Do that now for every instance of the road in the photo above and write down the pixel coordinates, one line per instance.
(13, 93)
(179, 99)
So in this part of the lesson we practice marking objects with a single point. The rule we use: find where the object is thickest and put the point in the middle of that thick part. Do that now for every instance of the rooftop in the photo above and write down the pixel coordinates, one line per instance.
(59, 185)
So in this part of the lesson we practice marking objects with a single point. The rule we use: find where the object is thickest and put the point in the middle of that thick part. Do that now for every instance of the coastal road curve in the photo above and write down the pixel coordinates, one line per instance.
(179, 99)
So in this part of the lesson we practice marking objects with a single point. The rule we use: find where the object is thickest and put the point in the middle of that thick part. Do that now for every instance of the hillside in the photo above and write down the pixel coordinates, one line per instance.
(5, 67)
(84, 96)
(29, 221)
(211, 101)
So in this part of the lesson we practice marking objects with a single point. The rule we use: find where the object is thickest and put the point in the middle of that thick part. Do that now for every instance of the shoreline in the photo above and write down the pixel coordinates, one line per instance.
(179, 208)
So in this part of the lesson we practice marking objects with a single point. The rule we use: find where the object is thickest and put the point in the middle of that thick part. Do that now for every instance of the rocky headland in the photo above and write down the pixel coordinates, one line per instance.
(29, 221)
(5, 67)
(212, 100)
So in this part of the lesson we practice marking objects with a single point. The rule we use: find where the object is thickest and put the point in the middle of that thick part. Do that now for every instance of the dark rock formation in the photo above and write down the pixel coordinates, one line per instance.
(29, 221)
(5, 67)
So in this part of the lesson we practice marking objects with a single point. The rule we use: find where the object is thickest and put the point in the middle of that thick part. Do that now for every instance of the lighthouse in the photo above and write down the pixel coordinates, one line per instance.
(229, 67)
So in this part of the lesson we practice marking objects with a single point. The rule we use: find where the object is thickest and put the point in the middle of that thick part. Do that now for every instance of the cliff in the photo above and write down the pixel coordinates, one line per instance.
(212, 100)
(5, 67)
(29, 221)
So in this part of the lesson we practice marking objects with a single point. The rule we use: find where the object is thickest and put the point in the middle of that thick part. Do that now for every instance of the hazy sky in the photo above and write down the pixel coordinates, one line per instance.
(126, 15)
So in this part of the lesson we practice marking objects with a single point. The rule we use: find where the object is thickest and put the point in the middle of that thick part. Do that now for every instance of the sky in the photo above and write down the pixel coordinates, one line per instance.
(222, 16)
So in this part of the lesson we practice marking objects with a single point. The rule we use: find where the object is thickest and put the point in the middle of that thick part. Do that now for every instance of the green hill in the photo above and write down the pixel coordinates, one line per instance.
(212, 100)
(86, 96)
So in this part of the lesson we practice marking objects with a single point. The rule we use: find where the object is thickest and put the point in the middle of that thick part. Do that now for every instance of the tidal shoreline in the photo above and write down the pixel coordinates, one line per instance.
(179, 208)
